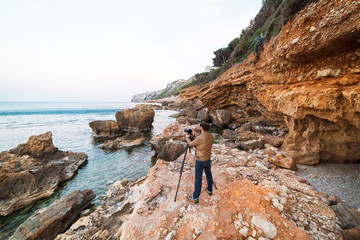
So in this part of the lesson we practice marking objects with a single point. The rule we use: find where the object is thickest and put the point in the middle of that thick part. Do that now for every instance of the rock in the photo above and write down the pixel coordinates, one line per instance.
(138, 118)
(251, 144)
(330, 73)
(169, 150)
(39, 146)
(128, 141)
(267, 227)
(285, 162)
(269, 152)
(24, 179)
(106, 128)
(48, 222)
(170, 236)
(348, 218)
(352, 234)
(228, 134)
(190, 112)
(274, 141)
(203, 114)
(220, 117)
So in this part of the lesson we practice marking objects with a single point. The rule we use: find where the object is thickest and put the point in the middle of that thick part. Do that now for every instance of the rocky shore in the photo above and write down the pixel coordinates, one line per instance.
(33, 171)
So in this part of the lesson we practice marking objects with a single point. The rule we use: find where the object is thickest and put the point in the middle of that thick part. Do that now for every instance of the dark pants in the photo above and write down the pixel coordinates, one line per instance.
(199, 167)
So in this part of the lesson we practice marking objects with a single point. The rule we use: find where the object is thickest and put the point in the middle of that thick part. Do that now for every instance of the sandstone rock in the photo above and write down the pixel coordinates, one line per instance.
(285, 162)
(48, 222)
(267, 227)
(26, 179)
(203, 114)
(274, 141)
(106, 128)
(228, 134)
(39, 146)
(169, 150)
(190, 112)
(220, 117)
(128, 141)
(139, 118)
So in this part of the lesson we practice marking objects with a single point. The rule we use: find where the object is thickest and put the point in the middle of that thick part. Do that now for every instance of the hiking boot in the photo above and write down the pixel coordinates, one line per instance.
(191, 199)
(210, 193)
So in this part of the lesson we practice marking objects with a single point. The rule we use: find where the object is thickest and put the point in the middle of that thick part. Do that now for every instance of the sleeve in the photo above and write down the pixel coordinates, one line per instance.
(195, 142)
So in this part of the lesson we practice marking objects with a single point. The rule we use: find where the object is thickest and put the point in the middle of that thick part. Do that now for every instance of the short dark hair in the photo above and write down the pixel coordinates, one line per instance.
(205, 126)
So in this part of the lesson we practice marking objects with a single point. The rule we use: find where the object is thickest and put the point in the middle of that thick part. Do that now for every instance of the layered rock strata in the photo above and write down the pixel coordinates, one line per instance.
(308, 77)
(50, 221)
(254, 200)
(33, 171)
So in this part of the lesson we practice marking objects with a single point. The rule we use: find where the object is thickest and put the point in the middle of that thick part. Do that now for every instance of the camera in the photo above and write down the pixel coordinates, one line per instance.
(188, 131)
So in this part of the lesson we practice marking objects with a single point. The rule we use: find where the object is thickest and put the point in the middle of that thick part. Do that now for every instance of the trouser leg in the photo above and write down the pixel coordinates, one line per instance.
(208, 174)
(198, 179)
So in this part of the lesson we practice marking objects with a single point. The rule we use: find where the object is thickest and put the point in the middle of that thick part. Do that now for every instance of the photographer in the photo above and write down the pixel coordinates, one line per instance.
(203, 144)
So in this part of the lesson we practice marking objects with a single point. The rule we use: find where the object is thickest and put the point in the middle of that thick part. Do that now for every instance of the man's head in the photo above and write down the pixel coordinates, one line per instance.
(205, 126)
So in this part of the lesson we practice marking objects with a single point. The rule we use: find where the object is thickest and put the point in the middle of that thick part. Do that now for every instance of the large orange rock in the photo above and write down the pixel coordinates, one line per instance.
(138, 118)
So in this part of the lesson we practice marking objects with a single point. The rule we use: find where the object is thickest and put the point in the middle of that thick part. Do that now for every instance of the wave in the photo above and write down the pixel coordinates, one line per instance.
(57, 111)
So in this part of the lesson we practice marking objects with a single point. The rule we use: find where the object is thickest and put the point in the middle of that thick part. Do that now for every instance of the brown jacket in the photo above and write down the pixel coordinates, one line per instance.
(203, 144)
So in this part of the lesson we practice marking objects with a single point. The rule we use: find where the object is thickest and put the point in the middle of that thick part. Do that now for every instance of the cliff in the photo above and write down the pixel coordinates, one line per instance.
(170, 90)
(308, 78)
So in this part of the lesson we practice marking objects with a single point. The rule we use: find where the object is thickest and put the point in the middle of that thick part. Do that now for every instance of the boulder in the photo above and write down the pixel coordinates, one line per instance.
(169, 150)
(220, 117)
(285, 162)
(48, 222)
(228, 134)
(348, 218)
(251, 144)
(203, 114)
(274, 141)
(190, 112)
(128, 141)
(138, 118)
(107, 128)
(27, 174)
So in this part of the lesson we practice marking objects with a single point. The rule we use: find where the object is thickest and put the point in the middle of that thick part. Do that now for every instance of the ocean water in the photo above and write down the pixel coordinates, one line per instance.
(69, 124)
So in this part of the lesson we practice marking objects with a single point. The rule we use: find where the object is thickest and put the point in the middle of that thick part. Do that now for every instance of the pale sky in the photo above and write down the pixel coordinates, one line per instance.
(103, 51)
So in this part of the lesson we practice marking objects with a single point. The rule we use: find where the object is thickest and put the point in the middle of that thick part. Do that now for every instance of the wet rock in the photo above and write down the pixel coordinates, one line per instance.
(24, 179)
(48, 222)
(220, 117)
(106, 128)
(128, 141)
(139, 118)
(285, 162)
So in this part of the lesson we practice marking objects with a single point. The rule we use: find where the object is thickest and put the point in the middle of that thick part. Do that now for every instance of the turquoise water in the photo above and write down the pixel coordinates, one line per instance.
(69, 124)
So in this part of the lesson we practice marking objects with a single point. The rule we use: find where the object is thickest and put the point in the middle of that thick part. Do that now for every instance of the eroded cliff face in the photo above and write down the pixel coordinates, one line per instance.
(307, 77)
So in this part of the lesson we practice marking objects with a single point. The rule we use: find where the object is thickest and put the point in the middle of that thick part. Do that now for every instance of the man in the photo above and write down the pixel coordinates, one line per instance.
(203, 144)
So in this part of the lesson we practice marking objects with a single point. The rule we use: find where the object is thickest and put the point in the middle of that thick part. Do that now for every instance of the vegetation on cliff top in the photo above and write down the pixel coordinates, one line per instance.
(273, 15)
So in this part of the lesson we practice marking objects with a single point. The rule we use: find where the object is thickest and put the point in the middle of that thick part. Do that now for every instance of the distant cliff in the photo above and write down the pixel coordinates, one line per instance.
(172, 88)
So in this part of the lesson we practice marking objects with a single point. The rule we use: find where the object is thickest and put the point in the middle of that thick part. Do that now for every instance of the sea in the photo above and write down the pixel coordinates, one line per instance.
(69, 124)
